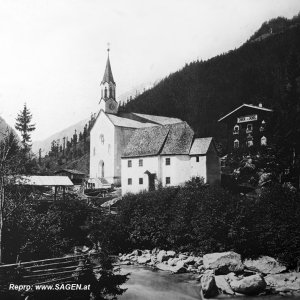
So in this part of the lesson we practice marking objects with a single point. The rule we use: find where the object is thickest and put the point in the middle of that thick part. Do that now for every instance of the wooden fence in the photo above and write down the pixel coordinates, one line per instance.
(48, 271)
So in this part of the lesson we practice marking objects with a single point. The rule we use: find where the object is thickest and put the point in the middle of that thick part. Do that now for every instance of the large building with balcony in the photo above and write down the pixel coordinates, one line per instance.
(247, 127)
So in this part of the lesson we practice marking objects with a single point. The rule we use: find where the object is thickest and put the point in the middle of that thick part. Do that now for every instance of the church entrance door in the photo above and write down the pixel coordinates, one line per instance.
(151, 182)
(101, 169)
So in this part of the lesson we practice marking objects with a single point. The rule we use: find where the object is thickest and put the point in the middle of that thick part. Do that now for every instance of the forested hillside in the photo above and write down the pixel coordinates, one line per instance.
(202, 91)
(5, 128)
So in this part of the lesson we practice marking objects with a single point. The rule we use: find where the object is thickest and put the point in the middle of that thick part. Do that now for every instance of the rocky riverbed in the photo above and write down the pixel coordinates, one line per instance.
(222, 273)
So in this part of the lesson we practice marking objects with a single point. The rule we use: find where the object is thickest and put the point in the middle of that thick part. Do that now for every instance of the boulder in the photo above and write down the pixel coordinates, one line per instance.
(251, 285)
(136, 252)
(231, 276)
(201, 269)
(163, 267)
(284, 282)
(125, 257)
(223, 262)
(153, 259)
(180, 264)
(162, 256)
(198, 260)
(175, 269)
(264, 265)
(173, 261)
(178, 269)
(155, 251)
(209, 287)
(144, 259)
(125, 262)
(190, 268)
(182, 256)
(189, 260)
(223, 285)
(171, 253)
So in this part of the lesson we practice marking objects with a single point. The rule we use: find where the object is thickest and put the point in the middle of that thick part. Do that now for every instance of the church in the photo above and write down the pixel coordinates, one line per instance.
(140, 152)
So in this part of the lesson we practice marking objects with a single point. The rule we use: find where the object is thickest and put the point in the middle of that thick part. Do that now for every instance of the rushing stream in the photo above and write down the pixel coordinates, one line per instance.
(147, 284)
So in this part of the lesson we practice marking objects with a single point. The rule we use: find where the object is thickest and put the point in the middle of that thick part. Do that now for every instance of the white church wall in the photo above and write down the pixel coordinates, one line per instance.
(198, 168)
(102, 148)
(122, 137)
(178, 171)
(135, 172)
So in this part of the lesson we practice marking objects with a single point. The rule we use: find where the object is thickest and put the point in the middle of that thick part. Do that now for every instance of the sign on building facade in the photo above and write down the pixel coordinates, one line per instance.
(247, 119)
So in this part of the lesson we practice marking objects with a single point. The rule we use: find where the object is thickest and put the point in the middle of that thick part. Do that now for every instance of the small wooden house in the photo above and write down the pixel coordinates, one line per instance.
(77, 177)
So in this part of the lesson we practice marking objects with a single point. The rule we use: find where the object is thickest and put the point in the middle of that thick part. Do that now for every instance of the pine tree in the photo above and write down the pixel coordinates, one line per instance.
(23, 124)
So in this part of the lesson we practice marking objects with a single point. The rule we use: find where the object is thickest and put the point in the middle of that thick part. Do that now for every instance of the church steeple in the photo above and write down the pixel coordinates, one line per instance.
(108, 90)
(108, 76)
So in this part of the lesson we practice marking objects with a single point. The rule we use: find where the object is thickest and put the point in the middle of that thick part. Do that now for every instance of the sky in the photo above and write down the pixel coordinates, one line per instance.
(53, 52)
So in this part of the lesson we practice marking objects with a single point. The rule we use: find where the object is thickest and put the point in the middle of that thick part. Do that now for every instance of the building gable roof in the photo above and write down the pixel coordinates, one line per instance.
(179, 139)
(126, 122)
(245, 105)
(146, 141)
(158, 119)
(134, 120)
(200, 146)
(166, 140)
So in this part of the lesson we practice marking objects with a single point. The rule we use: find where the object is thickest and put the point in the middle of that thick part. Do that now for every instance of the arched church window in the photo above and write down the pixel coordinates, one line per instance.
(263, 141)
(94, 151)
(105, 92)
(101, 93)
(110, 92)
(102, 139)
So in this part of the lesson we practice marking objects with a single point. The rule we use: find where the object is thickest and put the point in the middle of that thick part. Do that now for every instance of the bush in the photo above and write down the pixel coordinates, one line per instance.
(35, 232)
(206, 219)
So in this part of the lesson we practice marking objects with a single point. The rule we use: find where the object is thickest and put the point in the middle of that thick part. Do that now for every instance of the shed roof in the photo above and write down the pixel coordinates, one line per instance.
(44, 180)
(200, 146)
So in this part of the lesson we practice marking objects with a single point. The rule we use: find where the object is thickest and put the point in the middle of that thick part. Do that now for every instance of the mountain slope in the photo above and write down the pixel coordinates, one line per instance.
(4, 128)
(201, 92)
(45, 145)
